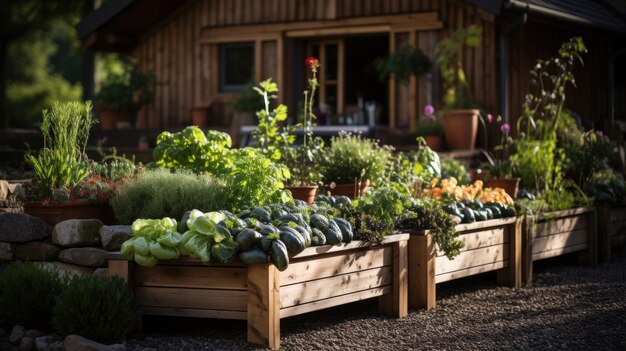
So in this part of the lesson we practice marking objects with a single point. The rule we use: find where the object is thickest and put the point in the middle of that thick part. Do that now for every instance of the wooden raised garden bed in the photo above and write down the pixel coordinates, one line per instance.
(611, 229)
(493, 245)
(317, 278)
(559, 233)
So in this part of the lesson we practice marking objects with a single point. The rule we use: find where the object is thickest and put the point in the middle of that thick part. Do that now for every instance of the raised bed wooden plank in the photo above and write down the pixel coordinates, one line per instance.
(561, 225)
(232, 278)
(210, 299)
(396, 304)
(328, 249)
(335, 301)
(559, 251)
(340, 263)
(578, 238)
(192, 312)
(263, 301)
(471, 271)
(485, 224)
(477, 239)
(314, 290)
(472, 258)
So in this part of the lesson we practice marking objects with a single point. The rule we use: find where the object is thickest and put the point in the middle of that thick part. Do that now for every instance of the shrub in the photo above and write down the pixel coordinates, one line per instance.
(159, 193)
(101, 309)
(453, 168)
(27, 295)
(349, 155)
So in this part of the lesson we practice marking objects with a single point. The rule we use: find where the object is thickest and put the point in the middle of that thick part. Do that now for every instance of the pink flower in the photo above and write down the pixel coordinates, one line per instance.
(599, 133)
(505, 128)
(489, 118)
(429, 110)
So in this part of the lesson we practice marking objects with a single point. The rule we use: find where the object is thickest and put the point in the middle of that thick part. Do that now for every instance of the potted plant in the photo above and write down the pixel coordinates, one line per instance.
(352, 163)
(460, 121)
(500, 171)
(403, 64)
(430, 129)
(61, 167)
(121, 95)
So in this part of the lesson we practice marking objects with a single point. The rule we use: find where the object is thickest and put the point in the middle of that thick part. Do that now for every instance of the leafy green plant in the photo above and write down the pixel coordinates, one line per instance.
(534, 161)
(270, 135)
(403, 64)
(448, 52)
(451, 167)
(61, 162)
(431, 128)
(386, 203)
(126, 90)
(351, 157)
(100, 309)
(191, 149)
(247, 100)
(160, 193)
(27, 295)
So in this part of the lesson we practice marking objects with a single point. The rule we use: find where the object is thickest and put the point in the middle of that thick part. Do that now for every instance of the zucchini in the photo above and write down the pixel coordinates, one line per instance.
(251, 223)
(489, 212)
(267, 229)
(495, 211)
(182, 225)
(346, 229)
(480, 215)
(508, 212)
(293, 240)
(277, 213)
(221, 233)
(300, 203)
(320, 222)
(253, 256)
(278, 253)
(306, 234)
(317, 237)
(475, 205)
(342, 200)
(333, 234)
(261, 214)
(289, 217)
(244, 214)
(248, 238)
(468, 215)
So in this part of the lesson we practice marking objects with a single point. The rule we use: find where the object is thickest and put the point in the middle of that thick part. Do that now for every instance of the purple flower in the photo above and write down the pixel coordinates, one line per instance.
(505, 128)
(429, 110)
(489, 118)
(599, 133)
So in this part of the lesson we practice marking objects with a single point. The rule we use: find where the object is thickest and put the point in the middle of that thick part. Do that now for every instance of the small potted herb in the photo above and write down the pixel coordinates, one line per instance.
(430, 129)
(460, 121)
(500, 171)
(121, 95)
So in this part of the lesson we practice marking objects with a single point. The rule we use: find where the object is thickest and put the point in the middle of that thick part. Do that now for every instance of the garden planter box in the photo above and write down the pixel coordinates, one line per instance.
(317, 278)
(493, 245)
(63, 210)
(559, 233)
(611, 229)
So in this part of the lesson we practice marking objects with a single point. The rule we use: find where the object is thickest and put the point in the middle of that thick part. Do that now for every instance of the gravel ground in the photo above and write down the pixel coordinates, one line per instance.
(568, 307)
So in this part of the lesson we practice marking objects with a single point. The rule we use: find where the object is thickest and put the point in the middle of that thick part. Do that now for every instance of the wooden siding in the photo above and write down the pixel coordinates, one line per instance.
(185, 68)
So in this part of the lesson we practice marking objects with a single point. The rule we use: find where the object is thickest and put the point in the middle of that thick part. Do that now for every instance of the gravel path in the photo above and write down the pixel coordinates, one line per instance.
(567, 308)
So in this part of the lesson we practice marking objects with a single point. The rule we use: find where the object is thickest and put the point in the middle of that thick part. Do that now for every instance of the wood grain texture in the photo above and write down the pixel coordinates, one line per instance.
(335, 301)
(395, 305)
(553, 242)
(472, 258)
(121, 269)
(421, 255)
(207, 299)
(233, 278)
(190, 312)
(264, 305)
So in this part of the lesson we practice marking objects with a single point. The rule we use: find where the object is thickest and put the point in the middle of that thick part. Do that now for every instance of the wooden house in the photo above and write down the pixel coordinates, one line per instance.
(204, 51)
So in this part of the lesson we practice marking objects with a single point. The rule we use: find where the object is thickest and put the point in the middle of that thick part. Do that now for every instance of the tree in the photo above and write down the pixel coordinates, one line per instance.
(19, 20)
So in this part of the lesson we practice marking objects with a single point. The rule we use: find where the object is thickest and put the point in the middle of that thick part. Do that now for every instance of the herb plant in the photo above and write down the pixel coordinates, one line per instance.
(271, 136)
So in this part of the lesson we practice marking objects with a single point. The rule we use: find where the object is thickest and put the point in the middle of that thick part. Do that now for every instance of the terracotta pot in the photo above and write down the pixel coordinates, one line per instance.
(200, 117)
(434, 142)
(349, 189)
(63, 210)
(305, 193)
(510, 185)
(461, 127)
(110, 117)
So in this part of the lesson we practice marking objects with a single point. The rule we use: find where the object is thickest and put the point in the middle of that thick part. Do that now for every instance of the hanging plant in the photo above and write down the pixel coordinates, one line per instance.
(402, 64)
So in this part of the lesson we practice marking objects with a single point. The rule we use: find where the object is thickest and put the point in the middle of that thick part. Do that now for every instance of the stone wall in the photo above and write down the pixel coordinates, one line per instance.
(76, 246)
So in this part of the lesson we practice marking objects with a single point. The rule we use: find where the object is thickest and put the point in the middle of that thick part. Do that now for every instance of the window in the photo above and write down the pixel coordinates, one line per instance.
(236, 66)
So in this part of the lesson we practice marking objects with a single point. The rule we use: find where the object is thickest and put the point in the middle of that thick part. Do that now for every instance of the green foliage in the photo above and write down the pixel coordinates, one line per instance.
(449, 58)
(191, 149)
(65, 129)
(427, 214)
(426, 162)
(100, 309)
(386, 203)
(451, 167)
(114, 170)
(429, 128)
(402, 64)
(534, 161)
(587, 154)
(160, 193)
(27, 295)
(254, 180)
(351, 157)
(271, 136)
(126, 90)
(247, 100)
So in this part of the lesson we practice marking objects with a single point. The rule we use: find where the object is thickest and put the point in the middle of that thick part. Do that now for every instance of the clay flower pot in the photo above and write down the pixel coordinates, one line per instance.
(434, 142)
(59, 211)
(349, 189)
(305, 193)
(510, 185)
(110, 117)
(461, 127)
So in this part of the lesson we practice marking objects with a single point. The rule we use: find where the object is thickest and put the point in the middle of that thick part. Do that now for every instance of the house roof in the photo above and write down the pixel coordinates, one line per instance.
(597, 13)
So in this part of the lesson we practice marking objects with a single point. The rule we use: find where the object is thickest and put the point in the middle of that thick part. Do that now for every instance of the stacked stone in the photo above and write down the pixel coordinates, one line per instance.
(76, 246)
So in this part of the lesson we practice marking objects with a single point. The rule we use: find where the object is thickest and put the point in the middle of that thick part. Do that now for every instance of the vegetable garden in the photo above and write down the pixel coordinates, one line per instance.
(221, 232)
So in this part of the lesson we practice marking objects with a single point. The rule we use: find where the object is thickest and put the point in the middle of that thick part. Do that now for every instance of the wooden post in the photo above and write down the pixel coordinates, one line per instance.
(264, 305)
(422, 272)
(590, 256)
(527, 252)
(603, 232)
(120, 268)
(395, 304)
(512, 275)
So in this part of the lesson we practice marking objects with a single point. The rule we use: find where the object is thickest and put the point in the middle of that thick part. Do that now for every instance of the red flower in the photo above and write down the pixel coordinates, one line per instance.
(312, 63)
